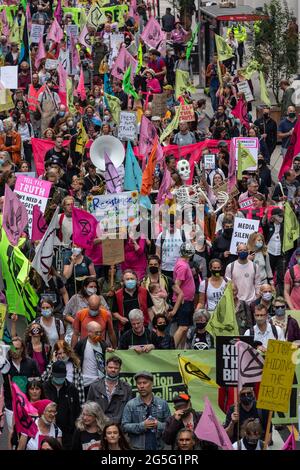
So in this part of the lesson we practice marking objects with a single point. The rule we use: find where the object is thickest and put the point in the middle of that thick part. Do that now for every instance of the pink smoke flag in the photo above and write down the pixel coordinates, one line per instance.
(58, 12)
(62, 76)
(123, 61)
(15, 216)
(80, 87)
(56, 34)
(250, 364)
(241, 112)
(23, 412)
(293, 150)
(84, 228)
(41, 53)
(209, 429)
(164, 187)
(39, 224)
(112, 179)
(290, 443)
(84, 37)
(153, 35)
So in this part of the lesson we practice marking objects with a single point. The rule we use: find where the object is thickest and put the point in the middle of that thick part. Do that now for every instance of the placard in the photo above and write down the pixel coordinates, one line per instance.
(72, 31)
(187, 113)
(127, 126)
(36, 32)
(159, 104)
(97, 16)
(277, 377)
(32, 192)
(112, 251)
(246, 203)
(251, 144)
(244, 87)
(51, 64)
(9, 77)
(227, 359)
(241, 232)
(209, 162)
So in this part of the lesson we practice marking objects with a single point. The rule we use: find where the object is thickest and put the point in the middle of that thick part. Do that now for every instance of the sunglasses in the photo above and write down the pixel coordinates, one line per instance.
(34, 379)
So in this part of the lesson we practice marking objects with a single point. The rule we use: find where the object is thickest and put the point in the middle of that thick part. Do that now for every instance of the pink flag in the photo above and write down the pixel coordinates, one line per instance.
(241, 112)
(112, 179)
(123, 61)
(56, 34)
(39, 150)
(293, 150)
(5, 25)
(84, 37)
(62, 75)
(231, 168)
(133, 11)
(147, 136)
(290, 443)
(74, 56)
(41, 53)
(15, 216)
(250, 364)
(80, 87)
(23, 412)
(28, 16)
(164, 187)
(58, 13)
(153, 35)
(84, 228)
(209, 429)
(39, 224)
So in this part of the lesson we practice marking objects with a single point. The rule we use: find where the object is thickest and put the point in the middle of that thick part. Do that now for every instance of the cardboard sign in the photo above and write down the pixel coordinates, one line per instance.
(246, 203)
(127, 126)
(9, 76)
(187, 113)
(244, 87)
(112, 251)
(251, 144)
(159, 104)
(209, 162)
(32, 192)
(241, 232)
(277, 377)
(72, 31)
(227, 359)
(51, 64)
(37, 31)
(3, 309)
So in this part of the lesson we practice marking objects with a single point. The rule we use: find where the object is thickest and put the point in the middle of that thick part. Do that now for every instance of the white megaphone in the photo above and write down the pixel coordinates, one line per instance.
(110, 145)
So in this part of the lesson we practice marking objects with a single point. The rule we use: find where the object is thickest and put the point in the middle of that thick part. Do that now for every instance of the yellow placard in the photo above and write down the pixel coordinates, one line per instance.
(3, 308)
(277, 377)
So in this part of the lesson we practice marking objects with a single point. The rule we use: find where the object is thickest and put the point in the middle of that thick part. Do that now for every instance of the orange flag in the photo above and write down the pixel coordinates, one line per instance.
(147, 179)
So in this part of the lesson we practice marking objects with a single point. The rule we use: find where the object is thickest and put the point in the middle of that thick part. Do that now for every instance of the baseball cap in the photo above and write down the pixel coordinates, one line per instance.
(59, 370)
(145, 374)
(181, 399)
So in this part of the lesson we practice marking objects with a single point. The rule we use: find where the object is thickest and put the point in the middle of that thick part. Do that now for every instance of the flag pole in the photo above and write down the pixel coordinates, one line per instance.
(267, 435)
(181, 372)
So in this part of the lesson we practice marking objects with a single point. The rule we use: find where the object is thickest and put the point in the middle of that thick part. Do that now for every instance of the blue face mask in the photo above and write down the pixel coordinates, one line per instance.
(243, 254)
(130, 284)
(1, 161)
(46, 312)
(58, 380)
(259, 245)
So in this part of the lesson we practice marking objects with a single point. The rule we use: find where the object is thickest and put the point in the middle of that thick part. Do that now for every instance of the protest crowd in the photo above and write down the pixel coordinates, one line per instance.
(140, 229)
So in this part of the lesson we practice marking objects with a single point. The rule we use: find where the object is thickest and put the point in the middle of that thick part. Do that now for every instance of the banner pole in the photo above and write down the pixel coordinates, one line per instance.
(268, 430)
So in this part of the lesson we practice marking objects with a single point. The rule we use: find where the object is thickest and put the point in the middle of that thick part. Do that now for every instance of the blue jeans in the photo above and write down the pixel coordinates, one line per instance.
(214, 99)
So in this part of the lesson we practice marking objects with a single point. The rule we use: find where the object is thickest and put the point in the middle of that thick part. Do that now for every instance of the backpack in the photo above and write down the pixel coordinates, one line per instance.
(274, 331)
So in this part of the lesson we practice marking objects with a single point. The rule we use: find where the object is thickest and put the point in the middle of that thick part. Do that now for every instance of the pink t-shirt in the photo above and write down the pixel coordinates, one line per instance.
(295, 291)
(182, 272)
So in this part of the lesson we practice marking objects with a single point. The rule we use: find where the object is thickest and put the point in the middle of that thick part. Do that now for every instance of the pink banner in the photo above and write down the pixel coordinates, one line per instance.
(123, 61)
(84, 228)
(23, 412)
(293, 150)
(14, 216)
(39, 148)
(39, 224)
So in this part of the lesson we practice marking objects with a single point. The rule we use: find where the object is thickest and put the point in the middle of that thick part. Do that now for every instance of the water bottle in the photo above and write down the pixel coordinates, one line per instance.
(152, 419)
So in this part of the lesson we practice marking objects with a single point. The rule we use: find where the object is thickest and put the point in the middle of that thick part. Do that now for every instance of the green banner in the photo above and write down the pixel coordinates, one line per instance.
(98, 16)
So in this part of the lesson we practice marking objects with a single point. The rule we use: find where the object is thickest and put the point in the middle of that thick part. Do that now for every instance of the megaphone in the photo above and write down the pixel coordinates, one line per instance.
(110, 145)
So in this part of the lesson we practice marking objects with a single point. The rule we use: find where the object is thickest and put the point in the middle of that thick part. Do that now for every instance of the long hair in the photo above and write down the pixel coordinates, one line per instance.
(44, 340)
(62, 344)
(92, 408)
(123, 443)
(252, 240)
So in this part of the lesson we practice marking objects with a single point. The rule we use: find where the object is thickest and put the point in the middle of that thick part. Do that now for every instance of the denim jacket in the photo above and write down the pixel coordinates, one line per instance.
(134, 415)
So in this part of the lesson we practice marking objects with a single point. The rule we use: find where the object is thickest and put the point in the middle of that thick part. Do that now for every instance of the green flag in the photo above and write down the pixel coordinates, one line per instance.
(264, 94)
(291, 228)
(252, 67)
(140, 58)
(245, 160)
(223, 320)
(183, 83)
(190, 44)
(173, 125)
(114, 105)
(224, 51)
(127, 87)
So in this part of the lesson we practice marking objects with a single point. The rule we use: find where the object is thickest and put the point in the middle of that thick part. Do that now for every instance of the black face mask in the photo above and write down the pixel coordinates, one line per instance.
(261, 163)
(266, 115)
(228, 232)
(201, 325)
(153, 269)
(250, 444)
(245, 400)
(292, 115)
(161, 327)
(216, 272)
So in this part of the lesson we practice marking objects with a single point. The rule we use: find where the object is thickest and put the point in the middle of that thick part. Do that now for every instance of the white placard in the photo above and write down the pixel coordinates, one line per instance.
(127, 126)
(9, 76)
(251, 144)
(244, 87)
(51, 64)
(37, 30)
(246, 203)
(241, 232)
(209, 162)
(72, 31)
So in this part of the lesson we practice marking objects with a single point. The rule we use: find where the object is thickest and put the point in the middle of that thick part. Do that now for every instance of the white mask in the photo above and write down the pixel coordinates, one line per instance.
(184, 170)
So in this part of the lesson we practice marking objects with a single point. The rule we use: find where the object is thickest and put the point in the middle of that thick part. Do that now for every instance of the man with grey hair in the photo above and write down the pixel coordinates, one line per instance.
(138, 337)
(252, 189)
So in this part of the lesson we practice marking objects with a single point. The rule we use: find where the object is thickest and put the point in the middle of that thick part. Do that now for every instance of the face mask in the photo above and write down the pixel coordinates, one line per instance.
(112, 379)
(36, 331)
(93, 313)
(76, 251)
(91, 290)
(65, 359)
(215, 272)
(251, 442)
(243, 254)
(296, 167)
(279, 311)
(267, 296)
(292, 115)
(161, 327)
(58, 380)
(71, 123)
(46, 312)
(1, 161)
(96, 339)
(61, 113)
(246, 400)
(266, 115)
(48, 423)
(153, 269)
(259, 245)
(201, 325)
(228, 232)
(260, 163)
(64, 128)
(278, 219)
(130, 284)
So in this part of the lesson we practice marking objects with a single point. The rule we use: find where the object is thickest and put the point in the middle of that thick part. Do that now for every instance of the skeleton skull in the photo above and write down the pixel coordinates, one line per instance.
(184, 170)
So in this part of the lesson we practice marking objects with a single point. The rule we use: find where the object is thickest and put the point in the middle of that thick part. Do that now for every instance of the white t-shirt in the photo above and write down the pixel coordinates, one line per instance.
(52, 331)
(213, 294)
(33, 443)
(90, 367)
(66, 230)
(70, 369)
(266, 335)
(170, 249)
